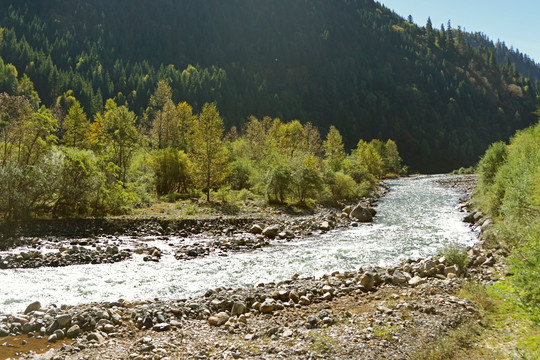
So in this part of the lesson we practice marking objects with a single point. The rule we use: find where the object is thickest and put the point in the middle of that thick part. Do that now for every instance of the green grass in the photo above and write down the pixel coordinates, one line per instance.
(502, 329)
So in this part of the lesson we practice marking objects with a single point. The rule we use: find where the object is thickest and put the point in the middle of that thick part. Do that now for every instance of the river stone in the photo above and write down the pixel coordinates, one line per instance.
(399, 277)
(327, 296)
(52, 338)
(304, 300)
(289, 234)
(60, 335)
(96, 337)
(51, 329)
(267, 307)
(35, 306)
(271, 231)
(450, 270)
(294, 296)
(256, 229)
(367, 281)
(417, 280)
(361, 214)
(162, 327)
(238, 308)
(218, 319)
(108, 328)
(63, 320)
(73, 331)
(27, 327)
(327, 288)
(3, 331)
(325, 226)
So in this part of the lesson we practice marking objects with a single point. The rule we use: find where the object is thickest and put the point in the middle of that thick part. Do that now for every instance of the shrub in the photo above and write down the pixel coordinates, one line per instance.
(278, 183)
(307, 184)
(455, 255)
(341, 187)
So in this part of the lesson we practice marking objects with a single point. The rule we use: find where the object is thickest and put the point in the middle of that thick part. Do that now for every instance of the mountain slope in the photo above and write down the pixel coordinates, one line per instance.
(350, 63)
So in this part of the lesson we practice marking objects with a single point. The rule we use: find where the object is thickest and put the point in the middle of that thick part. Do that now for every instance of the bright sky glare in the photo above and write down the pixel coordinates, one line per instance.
(514, 22)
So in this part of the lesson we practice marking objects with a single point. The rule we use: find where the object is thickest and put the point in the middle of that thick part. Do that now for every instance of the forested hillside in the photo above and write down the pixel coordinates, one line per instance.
(349, 63)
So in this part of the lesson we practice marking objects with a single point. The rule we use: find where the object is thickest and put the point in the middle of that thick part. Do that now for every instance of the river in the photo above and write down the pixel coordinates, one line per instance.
(415, 219)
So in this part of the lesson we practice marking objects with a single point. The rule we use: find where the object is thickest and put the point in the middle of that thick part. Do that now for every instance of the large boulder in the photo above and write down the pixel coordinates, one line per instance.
(362, 214)
(35, 306)
(271, 231)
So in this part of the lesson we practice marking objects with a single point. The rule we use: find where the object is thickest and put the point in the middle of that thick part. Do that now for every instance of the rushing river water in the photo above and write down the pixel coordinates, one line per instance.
(415, 219)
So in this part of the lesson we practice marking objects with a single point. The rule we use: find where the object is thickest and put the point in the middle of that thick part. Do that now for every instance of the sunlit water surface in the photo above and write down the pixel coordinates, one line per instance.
(414, 220)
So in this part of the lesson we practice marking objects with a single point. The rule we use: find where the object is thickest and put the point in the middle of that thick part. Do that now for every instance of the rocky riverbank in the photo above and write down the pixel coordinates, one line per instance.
(372, 313)
(96, 241)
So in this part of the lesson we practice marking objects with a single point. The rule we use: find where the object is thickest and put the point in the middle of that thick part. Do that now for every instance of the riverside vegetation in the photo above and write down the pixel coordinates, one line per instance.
(77, 167)
(507, 203)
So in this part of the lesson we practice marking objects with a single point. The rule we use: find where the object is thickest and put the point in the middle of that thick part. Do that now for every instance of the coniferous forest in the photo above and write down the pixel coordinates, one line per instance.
(123, 88)
(351, 64)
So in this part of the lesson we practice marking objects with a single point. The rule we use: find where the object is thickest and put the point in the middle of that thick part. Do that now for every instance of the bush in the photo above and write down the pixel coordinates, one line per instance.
(455, 255)
(509, 189)
(172, 170)
(278, 183)
(307, 184)
(341, 187)
(78, 182)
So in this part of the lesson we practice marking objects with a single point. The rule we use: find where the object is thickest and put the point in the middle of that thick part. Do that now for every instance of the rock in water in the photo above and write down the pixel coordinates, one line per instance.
(35, 306)
(361, 214)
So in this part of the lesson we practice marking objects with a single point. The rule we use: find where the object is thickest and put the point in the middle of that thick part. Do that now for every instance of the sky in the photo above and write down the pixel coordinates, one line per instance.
(516, 22)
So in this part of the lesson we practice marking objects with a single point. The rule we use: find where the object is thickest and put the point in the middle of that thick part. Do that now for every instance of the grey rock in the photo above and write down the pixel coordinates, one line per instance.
(35, 306)
(367, 281)
(27, 328)
(361, 214)
(271, 231)
(417, 280)
(312, 322)
(3, 331)
(256, 229)
(96, 337)
(53, 338)
(73, 331)
(399, 277)
(162, 327)
(63, 320)
(60, 335)
(304, 300)
(51, 329)
(294, 296)
(267, 307)
(325, 226)
(238, 308)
